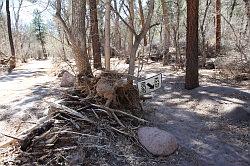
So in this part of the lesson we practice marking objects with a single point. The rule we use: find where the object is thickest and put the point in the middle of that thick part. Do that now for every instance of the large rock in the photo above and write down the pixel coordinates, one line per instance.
(68, 80)
(156, 141)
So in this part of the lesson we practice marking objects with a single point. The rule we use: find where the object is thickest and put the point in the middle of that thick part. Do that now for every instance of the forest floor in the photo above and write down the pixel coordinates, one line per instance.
(211, 122)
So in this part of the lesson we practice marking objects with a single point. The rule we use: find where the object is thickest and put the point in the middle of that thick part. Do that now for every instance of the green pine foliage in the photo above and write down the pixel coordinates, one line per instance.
(39, 27)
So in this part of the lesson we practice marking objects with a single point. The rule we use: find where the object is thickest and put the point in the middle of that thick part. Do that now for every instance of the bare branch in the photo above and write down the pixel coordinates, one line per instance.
(129, 27)
(59, 17)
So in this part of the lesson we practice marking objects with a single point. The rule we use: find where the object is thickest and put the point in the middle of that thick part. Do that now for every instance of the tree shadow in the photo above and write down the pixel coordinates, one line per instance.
(196, 119)
(21, 74)
(31, 104)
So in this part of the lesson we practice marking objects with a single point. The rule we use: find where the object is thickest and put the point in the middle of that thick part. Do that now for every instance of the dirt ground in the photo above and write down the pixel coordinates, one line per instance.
(213, 119)
(23, 96)
(211, 122)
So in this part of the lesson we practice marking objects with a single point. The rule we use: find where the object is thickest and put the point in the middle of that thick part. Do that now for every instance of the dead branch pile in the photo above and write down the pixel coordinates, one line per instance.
(83, 130)
(110, 89)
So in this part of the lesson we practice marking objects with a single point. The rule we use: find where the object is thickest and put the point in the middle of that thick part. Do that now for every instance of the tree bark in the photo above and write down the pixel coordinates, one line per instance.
(247, 6)
(142, 19)
(203, 34)
(77, 35)
(138, 39)
(118, 41)
(107, 35)
(13, 57)
(191, 79)
(131, 24)
(166, 29)
(218, 25)
(96, 46)
(232, 10)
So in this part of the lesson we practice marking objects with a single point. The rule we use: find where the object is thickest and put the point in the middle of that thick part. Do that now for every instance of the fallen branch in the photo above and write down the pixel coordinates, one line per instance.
(22, 136)
(73, 132)
(117, 119)
(121, 112)
(6, 135)
(63, 109)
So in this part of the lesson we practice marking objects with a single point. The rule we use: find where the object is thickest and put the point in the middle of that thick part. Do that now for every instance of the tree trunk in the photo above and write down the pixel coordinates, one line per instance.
(107, 35)
(1, 6)
(45, 55)
(142, 19)
(203, 34)
(166, 30)
(17, 36)
(232, 10)
(138, 39)
(95, 35)
(17, 14)
(79, 34)
(131, 24)
(218, 25)
(61, 36)
(191, 79)
(117, 29)
(12, 58)
(178, 57)
(247, 4)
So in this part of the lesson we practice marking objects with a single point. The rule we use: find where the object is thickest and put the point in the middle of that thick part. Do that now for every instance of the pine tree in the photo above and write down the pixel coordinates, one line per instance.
(39, 29)
(192, 80)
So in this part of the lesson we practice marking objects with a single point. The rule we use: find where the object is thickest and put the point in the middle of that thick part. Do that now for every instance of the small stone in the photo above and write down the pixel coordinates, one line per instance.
(68, 80)
(156, 141)
(62, 72)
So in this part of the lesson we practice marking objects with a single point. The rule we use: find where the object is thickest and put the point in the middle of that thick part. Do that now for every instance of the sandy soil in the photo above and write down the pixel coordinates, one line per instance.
(23, 96)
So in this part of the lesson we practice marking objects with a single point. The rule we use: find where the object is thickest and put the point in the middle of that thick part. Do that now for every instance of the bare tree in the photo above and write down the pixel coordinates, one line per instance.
(247, 4)
(203, 33)
(1, 6)
(17, 13)
(166, 30)
(77, 34)
(117, 25)
(13, 57)
(176, 36)
(232, 10)
(96, 46)
(142, 19)
(191, 80)
(131, 24)
(139, 37)
(107, 35)
(218, 25)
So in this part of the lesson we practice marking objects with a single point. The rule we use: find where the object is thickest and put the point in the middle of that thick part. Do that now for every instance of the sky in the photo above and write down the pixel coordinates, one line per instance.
(26, 12)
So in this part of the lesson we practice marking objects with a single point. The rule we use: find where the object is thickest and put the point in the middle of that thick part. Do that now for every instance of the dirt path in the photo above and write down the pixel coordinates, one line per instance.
(212, 120)
(22, 96)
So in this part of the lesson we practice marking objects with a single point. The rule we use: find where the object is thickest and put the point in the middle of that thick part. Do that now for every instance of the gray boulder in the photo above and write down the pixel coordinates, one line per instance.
(68, 80)
(156, 141)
